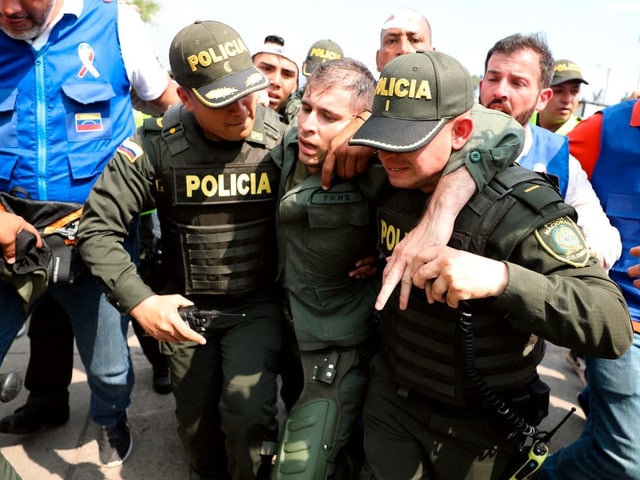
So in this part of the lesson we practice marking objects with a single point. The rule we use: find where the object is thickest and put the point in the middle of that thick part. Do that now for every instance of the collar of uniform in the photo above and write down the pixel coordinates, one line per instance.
(635, 115)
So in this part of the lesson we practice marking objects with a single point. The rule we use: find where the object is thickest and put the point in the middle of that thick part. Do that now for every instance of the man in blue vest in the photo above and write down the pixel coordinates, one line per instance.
(66, 72)
(518, 72)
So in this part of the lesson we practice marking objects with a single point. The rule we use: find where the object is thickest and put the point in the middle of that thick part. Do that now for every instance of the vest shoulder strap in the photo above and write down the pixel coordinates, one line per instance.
(173, 131)
(268, 127)
(491, 215)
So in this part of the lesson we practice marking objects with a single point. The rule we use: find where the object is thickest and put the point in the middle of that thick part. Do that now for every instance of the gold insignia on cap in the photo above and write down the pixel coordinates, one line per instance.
(254, 79)
(564, 241)
(221, 93)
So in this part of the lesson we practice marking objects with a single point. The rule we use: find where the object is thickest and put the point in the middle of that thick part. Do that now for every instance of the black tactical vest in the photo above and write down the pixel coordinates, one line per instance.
(216, 204)
(424, 342)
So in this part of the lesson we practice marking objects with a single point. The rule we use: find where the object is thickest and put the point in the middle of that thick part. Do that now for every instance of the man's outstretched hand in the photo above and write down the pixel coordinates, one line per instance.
(158, 316)
(634, 270)
(435, 228)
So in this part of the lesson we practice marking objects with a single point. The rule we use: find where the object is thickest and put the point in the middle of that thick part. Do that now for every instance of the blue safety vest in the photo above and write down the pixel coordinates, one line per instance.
(549, 153)
(65, 108)
(616, 181)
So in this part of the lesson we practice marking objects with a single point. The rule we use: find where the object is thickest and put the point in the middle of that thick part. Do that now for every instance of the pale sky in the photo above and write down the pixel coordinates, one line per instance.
(603, 37)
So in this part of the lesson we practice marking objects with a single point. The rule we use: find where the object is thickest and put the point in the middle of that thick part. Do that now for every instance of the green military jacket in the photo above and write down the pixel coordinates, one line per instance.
(554, 290)
(321, 235)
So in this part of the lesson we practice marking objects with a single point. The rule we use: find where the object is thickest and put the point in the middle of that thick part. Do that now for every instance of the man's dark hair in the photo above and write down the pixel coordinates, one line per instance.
(347, 74)
(536, 42)
(277, 39)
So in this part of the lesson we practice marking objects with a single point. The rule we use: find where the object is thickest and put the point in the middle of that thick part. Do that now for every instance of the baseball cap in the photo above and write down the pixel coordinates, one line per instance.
(566, 71)
(213, 61)
(320, 52)
(271, 45)
(416, 96)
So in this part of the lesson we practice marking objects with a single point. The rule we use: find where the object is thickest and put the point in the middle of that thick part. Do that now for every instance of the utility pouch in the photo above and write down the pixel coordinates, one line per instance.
(58, 261)
(325, 369)
(533, 403)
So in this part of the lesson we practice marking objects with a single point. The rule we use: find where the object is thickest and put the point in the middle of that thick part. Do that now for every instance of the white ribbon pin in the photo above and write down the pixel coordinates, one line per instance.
(85, 53)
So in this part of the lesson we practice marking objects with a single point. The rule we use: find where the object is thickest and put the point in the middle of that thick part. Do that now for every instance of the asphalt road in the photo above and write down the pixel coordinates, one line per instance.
(70, 452)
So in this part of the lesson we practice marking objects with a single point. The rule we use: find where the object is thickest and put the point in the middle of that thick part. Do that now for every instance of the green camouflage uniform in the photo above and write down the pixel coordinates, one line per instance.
(321, 236)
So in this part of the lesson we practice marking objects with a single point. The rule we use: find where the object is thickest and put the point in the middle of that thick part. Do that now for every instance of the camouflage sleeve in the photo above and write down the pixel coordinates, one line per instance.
(571, 302)
(496, 142)
(121, 193)
(482, 168)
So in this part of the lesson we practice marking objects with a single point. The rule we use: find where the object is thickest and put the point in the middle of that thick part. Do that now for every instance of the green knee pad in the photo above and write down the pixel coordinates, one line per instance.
(306, 449)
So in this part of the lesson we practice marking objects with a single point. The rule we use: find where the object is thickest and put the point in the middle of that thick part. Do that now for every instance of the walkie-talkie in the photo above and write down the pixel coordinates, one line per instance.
(538, 451)
(197, 318)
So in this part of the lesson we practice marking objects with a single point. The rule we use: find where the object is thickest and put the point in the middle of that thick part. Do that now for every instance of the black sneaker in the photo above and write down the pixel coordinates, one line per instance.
(31, 417)
(115, 443)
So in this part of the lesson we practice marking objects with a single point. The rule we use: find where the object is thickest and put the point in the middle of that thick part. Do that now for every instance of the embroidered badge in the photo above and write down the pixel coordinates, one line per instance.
(564, 241)
(86, 55)
(88, 122)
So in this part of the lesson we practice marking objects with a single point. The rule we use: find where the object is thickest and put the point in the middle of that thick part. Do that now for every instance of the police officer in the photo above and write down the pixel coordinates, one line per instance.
(455, 392)
(207, 169)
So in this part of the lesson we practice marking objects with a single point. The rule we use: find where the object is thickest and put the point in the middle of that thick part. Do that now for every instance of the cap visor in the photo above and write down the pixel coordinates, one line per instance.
(396, 135)
(308, 68)
(565, 80)
(230, 88)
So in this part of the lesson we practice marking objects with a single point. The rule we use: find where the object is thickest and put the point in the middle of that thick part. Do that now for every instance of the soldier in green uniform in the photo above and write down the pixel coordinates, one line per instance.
(206, 168)
(455, 393)
(322, 238)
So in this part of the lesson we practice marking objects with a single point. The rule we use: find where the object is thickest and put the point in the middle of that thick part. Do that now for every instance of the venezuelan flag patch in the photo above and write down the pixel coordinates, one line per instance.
(89, 122)
(130, 150)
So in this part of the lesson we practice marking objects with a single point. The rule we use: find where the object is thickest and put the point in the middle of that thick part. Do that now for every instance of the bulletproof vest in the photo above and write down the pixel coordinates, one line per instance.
(424, 343)
(216, 204)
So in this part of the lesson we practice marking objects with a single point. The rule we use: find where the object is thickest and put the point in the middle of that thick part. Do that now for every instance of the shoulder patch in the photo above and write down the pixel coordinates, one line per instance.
(563, 240)
(130, 150)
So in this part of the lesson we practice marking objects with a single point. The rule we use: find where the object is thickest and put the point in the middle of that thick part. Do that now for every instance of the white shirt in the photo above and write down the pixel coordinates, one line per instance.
(602, 237)
(144, 71)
